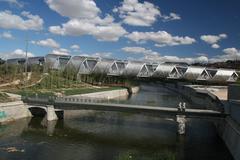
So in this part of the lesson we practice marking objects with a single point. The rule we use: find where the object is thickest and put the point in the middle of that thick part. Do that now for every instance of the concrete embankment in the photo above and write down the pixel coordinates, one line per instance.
(220, 97)
(200, 97)
(229, 130)
(12, 111)
(120, 94)
(113, 94)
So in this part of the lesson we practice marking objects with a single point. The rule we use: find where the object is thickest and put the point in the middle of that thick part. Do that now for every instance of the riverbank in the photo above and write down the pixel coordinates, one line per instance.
(202, 98)
(112, 94)
(218, 97)
(12, 111)
(16, 109)
(121, 94)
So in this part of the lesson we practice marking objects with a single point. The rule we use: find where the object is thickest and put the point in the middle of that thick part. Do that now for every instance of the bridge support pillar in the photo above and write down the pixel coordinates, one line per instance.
(51, 115)
(181, 121)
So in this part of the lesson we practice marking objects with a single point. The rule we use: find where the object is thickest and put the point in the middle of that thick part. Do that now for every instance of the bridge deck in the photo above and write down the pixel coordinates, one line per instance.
(78, 105)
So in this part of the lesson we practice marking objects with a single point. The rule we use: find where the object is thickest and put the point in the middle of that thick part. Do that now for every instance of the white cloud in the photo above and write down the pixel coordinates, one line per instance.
(229, 54)
(74, 8)
(26, 21)
(85, 21)
(215, 46)
(103, 29)
(171, 17)
(98, 54)
(13, 2)
(231, 51)
(161, 38)
(102, 54)
(213, 39)
(60, 51)
(136, 13)
(149, 55)
(140, 50)
(189, 60)
(47, 43)
(18, 53)
(6, 35)
(75, 47)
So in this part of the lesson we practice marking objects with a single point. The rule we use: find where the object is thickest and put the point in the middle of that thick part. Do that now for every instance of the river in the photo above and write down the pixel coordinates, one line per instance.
(114, 136)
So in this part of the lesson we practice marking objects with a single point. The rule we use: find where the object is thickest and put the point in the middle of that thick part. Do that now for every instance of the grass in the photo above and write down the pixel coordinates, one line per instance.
(65, 91)
(44, 89)
(53, 84)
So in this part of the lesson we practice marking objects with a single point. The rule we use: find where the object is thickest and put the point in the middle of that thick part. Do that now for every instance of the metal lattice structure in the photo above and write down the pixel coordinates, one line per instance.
(84, 65)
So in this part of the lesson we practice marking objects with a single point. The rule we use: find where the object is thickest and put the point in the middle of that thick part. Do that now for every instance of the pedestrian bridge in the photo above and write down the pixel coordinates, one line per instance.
(64, 103)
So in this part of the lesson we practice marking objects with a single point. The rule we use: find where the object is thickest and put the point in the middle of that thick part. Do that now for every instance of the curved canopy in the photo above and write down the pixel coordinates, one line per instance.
(103, 66)
(54, 61)
(133, 68)
(89, 65)
(195, 73)
(75, 62)
(223, 75)
(167, 71)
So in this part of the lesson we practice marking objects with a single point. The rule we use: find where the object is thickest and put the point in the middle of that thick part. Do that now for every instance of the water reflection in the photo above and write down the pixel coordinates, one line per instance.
(88, 135)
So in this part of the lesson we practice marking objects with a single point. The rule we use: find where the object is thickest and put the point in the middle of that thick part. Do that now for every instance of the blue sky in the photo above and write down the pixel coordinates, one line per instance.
(159, 30)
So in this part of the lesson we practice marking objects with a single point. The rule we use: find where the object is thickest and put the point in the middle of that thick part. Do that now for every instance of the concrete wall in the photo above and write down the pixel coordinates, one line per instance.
(202, 99)
(229, 128)
(235, 110)
(12, 111)
(105, 94)
(114, 94)
(234, 92)
(234, 101)
(229, 131)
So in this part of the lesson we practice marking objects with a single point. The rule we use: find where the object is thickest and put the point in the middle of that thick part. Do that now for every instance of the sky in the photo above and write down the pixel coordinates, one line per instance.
(151, 30)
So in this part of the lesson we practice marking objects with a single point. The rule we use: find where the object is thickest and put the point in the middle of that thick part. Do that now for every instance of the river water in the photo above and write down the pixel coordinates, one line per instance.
(114, 136)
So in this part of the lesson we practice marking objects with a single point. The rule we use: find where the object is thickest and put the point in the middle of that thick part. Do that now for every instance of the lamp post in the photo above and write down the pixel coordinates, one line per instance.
(26, 65)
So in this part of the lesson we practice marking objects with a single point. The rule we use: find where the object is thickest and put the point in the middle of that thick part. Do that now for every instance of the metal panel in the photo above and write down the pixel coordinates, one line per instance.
(36, 60)
(16, 61)
(194, 73)
(117, 68)
(103, 66)
(223, 75)
(54, 61)
(167, 71)
(63, 60)
(146, 70)
(75, 62)
(88, 65)
(133, 68)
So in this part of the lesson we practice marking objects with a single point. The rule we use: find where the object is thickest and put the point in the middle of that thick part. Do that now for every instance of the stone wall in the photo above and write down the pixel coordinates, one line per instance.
(12, 111)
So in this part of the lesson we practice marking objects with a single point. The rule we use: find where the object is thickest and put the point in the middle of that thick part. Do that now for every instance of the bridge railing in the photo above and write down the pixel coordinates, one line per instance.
(87, 100)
